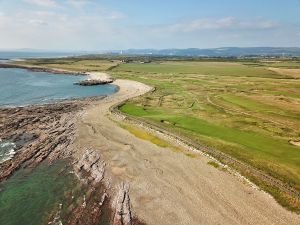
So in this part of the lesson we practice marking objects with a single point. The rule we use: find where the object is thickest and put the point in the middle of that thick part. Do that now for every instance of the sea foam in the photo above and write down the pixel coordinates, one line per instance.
(7, 150)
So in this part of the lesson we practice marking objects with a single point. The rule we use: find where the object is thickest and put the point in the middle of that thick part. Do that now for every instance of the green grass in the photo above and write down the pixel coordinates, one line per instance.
(142, 134)
(222, 69)
(257, 106)
(214, 164)
(287, 64)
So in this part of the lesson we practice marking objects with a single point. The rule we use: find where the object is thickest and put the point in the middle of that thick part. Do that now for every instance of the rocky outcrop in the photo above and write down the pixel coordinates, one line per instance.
(91, 163)
(90, 169)
(93, 82)
(93, 205)
(40, 132)
(122, 206)
(47, 132)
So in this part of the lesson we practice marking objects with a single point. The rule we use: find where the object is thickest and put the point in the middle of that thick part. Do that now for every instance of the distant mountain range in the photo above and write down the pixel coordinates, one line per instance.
(216, 52)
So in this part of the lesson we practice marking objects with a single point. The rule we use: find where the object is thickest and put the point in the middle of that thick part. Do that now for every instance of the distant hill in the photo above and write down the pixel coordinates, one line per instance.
(189, 52)
(216, 52)
(32, 53)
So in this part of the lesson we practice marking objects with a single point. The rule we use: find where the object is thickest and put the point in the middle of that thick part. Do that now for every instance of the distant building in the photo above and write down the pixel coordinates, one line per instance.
(126, 60)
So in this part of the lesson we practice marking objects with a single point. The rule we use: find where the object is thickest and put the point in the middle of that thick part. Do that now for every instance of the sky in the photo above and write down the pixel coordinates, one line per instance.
(95, 25)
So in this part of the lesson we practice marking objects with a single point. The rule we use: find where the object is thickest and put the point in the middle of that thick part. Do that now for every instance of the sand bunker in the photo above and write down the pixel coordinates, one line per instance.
(297, 143)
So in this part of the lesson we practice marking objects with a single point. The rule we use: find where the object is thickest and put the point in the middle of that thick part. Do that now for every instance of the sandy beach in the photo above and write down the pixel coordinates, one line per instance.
(168, 187)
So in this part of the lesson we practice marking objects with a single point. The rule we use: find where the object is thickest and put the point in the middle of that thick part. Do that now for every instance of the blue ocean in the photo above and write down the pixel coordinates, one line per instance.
(19, 87)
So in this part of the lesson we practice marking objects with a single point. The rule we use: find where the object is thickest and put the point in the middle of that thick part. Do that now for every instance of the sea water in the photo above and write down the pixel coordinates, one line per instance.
(19, 87)
(33, 195)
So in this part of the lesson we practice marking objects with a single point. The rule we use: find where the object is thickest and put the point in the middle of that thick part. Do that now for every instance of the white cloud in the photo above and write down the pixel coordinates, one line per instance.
(220, 23)
(43, 3)
(78, 3)
(202, 23)
(59, 29)
(38, 22)
(115, 15)
(257, 24)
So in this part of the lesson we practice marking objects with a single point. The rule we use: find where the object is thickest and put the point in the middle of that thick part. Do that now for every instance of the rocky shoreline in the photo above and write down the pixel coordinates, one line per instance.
(46, 133)
(40, 131)
(90, 169)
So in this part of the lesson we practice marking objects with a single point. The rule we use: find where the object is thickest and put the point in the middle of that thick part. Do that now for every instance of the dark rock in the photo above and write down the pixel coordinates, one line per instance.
(39, 131)
(93, 82)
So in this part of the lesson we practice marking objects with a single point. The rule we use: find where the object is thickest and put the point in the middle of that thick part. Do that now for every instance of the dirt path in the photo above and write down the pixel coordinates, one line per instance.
(168, 187)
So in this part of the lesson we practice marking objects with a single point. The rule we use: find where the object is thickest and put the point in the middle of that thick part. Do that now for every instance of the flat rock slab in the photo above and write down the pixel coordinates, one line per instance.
(93, 82)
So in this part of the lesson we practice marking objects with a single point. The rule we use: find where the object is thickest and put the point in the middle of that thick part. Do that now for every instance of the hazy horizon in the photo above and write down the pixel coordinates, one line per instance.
(113, 50)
